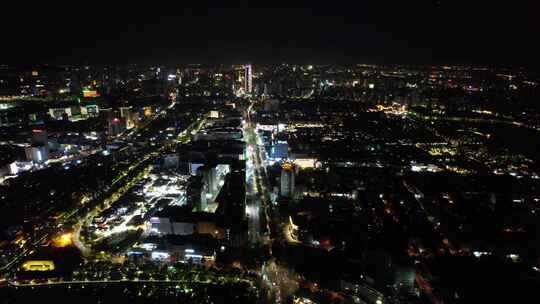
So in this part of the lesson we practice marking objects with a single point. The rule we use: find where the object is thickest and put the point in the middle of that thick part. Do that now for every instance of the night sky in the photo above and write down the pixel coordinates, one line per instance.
(308, 32)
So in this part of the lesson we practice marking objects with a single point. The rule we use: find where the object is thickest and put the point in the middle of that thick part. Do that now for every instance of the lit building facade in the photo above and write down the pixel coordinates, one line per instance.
(37, 154)
(287, 179)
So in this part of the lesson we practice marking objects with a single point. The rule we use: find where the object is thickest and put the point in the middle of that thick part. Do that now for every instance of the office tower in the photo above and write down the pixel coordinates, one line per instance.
(248, 79)
(287, 179)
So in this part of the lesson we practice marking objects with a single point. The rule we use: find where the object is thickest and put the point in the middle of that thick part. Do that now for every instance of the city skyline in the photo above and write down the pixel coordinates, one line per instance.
(374, 152)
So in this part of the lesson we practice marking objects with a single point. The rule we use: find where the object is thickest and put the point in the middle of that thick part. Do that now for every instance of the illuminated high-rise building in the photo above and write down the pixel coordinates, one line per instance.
(209, 175)
(195, 194)
(39, 137)
(128, 116)
(38, 151)
(287, 179)
(125, 111)
(243, 79)
(116, 126)
(248, 79)
(37, 154)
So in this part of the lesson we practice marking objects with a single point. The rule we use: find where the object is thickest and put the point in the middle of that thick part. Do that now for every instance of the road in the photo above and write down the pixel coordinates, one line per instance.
(257, 194)
(182, 138)
(67, 217)
(93, 282)
(253, 200)
(280, 281)
(28, 249)
(123, 178)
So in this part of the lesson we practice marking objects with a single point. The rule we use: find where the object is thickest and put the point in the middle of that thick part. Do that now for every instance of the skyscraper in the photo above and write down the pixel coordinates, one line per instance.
(243, 79)
(39, 148)
(248, 79)
(287, 179)
(116, 126)
(37, 154)
(195, 194)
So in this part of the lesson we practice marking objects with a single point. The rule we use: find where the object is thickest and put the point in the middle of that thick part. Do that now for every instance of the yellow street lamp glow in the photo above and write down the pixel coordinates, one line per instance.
(63, 240)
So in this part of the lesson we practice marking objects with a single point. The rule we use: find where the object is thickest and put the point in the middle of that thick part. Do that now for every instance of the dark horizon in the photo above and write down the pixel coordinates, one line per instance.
(423, 32)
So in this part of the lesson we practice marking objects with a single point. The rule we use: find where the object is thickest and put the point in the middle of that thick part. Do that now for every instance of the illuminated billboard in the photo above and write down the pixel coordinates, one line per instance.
(90, 93)
(38, 265)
